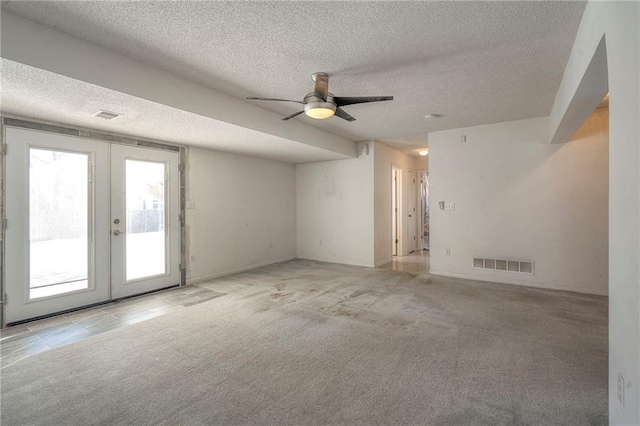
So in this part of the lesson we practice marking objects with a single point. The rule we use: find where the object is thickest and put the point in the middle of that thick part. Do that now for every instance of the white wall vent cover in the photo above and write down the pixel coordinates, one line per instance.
(504, 265)
(107, 115)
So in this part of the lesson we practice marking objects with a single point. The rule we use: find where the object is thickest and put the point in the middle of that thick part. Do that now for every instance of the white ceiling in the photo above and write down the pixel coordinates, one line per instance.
(31, 92)
(473, 62)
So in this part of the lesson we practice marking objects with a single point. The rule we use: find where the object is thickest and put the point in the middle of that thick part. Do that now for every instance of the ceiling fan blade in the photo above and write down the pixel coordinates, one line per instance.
(342, 114)
(321, 88)
(255, 98)
(292, 115)
(342, 101)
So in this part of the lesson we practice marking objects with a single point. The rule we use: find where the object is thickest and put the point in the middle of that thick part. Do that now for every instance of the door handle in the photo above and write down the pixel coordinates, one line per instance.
(116, 232)
(409, 215)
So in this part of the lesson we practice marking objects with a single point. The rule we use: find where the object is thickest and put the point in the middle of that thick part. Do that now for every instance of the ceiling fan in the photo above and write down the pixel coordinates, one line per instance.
(321, 104)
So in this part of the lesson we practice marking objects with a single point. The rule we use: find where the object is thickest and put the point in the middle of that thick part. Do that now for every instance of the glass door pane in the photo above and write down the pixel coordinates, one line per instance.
(58, 222)
(145, 215)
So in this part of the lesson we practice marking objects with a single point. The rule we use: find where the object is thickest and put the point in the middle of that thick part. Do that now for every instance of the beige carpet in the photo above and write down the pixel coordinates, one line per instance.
(309, 343)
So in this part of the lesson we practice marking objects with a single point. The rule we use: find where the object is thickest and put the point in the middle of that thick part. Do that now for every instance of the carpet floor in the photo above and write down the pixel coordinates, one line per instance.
(310, 343)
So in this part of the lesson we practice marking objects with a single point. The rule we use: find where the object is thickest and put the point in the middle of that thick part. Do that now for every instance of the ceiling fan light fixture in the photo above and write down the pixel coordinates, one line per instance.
(320, 110)
(321, 104)
(320, 113)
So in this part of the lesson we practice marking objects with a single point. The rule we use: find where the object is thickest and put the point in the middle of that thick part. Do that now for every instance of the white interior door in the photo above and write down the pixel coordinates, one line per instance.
(144, 220)
(57, 234)
(396, 207)
(87, 221)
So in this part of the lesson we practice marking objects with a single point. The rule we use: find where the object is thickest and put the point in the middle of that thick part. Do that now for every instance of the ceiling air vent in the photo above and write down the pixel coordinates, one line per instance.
(503, 265)
(107, 115)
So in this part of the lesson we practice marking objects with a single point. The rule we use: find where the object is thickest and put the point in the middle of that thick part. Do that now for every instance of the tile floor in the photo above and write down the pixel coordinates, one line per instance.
(21, 341)
(414, 263)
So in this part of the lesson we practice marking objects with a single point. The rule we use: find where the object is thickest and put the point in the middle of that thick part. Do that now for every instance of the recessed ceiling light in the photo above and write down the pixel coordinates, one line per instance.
(432, 116)
(424, 152)
(107, 115)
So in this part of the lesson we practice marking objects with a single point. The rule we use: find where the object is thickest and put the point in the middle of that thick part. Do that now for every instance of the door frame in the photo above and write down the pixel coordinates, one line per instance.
(114, 138)
(396, 211)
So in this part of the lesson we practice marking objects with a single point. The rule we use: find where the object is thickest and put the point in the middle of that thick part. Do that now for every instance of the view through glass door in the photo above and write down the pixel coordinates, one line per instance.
(64, 248)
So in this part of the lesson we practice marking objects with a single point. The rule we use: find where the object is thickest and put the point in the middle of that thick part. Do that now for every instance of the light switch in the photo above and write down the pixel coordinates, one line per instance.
(449, 206)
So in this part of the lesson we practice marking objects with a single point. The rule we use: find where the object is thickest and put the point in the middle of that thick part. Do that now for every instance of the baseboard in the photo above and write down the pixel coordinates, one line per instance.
(235, 271)
(337, 262)
(383, 262)
(511, 281)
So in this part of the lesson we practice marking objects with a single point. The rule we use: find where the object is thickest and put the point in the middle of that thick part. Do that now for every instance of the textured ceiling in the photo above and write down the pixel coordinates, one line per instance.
(30, 92)
(473, 62)
(410, 145)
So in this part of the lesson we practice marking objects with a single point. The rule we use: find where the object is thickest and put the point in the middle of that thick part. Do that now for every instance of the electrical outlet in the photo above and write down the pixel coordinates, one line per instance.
(621, 389)
(447, 252)
(189, 204)
(270, 244)
(192, 258)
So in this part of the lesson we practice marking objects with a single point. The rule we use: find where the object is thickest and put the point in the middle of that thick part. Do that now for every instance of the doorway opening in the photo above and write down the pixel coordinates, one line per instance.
(424, 209)
(412, 223)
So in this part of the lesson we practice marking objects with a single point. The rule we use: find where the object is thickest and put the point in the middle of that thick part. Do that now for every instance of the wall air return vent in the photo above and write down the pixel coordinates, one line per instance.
(504, 265)
(526, 267)
(107, 115)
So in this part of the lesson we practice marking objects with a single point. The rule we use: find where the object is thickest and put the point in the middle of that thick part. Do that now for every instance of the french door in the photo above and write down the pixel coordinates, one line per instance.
(144, 220)
(87, 221)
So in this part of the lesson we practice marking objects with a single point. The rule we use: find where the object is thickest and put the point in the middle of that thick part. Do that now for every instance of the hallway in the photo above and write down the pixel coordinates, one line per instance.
(414, 263)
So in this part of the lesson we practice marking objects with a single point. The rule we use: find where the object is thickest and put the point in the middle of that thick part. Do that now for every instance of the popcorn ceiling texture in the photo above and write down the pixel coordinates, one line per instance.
(30, 92)
(473, 62)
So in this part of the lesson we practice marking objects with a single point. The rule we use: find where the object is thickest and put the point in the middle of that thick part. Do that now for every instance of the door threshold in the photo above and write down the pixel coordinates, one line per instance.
(80, 308)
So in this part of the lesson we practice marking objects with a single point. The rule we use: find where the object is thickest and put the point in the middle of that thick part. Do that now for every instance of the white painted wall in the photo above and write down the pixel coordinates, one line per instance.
(385, 157)
(335, 210)
(241, 205)
(519, 198)
(618, 23)
(422, 163)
